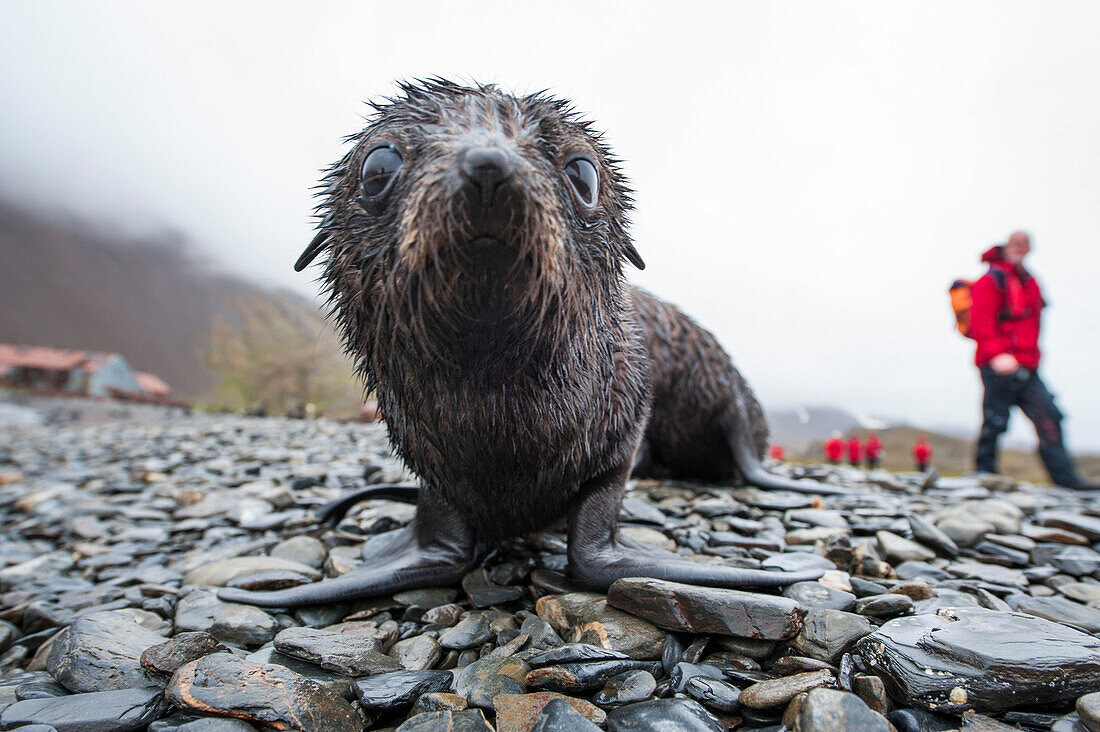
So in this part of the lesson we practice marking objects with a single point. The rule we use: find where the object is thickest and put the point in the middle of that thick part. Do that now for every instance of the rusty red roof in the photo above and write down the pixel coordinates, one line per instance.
(152, 384)
(41, 357)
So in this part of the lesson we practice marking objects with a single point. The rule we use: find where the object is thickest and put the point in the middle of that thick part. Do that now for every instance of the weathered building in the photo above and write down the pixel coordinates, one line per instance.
(87, 373)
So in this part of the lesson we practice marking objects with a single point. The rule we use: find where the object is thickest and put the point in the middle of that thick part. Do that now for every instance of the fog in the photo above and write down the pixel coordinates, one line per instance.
(810, 176)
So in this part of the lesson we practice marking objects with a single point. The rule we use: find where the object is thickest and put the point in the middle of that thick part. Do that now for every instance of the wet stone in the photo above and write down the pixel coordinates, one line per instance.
(344, 653)
(428, 597)
(222, 684)
(165, 658)
(1088, 709)
(268, 581)
(518, 712)
(559, 716)
(108, 711)
(777, 692)
(684, 672)
(714, 694)
(339, 684)
(468, 720)
(101, 652)
(586, 617)
(1087, 526)
(417, 653)
(1074, 560)
(919, 720)
(243, 625)
(219, 574)
(827, 634)
(697, 609)
(928, 534)
(829, 709)
(817, 596)
(301, 549)
(574, 653)
(884, 606)
(475, 675)
(972, 658)
(624, 688)
(797, 562)
(579, 678)
(473, 630)
(896, 549)
(1059, 610)
(683, 715)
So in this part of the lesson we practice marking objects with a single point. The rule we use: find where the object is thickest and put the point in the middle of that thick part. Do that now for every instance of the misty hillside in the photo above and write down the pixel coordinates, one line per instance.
(68, 285)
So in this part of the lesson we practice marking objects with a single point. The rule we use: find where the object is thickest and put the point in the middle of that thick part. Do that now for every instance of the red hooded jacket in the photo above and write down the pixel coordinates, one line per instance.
(1006, 319)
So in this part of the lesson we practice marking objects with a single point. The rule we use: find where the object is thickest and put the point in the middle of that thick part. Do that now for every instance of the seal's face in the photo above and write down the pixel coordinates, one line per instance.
(472, 212)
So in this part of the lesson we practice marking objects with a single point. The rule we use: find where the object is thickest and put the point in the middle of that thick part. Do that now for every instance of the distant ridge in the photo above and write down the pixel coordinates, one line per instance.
(68, 284)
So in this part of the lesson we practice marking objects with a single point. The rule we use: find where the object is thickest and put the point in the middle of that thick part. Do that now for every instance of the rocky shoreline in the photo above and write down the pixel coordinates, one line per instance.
(947, 603)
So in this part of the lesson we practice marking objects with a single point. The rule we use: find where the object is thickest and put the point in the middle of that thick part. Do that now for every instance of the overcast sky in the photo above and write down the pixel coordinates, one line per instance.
(810, 176)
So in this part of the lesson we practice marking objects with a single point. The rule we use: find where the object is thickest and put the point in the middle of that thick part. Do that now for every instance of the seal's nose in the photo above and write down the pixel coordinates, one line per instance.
(486, 168)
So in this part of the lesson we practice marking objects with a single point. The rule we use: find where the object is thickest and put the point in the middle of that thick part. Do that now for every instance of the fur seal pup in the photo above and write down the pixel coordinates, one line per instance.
(474, 247)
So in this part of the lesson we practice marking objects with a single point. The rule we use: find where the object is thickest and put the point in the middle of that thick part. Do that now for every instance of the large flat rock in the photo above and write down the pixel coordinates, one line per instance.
(989, 661)
(694, 609)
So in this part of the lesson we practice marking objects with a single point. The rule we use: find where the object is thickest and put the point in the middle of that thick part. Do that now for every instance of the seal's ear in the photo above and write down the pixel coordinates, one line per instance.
(633, 256)
(311, 251)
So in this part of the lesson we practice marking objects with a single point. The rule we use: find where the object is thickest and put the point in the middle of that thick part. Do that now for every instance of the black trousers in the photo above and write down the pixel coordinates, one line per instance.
(1023, 389)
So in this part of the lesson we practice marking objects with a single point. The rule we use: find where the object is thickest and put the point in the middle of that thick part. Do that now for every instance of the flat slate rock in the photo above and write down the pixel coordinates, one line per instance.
(397, 690)
(695, 609)
(827, 634)
(101, 652)
(518, 712)
(817, 596)
(682, 715)
(222, 684)
(559, 716)
(466, 720)
(165, 658)
(777, 692)
(343, 653)
(989, 661)
(1059, 610)
(829, 709)
(103, 711)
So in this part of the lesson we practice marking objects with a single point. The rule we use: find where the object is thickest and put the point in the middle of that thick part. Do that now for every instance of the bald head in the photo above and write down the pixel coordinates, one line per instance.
(1017, 247)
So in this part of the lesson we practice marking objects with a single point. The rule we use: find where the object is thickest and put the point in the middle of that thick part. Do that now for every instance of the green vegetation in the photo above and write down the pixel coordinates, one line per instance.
(279, 356)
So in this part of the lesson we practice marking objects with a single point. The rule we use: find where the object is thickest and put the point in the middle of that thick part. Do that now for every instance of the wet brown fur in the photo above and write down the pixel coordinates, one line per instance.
(509, 374)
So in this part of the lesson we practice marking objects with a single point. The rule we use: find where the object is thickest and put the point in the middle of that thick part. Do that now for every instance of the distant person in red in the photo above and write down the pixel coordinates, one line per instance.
(873, 450)
(776, 452)
(855, 450)
(833, 448)
(922, 453)
(1004, 320)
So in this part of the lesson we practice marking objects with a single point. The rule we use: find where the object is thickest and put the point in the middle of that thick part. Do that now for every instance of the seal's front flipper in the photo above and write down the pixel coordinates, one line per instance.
(598, 555)
(755, 473)
(334, 510)
(436, 549)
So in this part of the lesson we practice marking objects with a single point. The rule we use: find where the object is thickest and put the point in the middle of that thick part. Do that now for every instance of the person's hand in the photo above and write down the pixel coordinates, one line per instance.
(1004, 364)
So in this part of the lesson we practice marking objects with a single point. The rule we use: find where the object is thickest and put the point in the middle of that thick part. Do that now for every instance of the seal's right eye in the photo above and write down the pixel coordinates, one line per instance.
(379, 169)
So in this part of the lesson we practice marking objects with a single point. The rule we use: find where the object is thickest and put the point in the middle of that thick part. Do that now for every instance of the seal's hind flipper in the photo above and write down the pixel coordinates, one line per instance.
(334, 510)
(755, 474)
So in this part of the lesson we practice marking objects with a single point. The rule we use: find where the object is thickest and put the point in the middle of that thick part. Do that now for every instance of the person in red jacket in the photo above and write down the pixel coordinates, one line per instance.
(922, 453)
(776, 452)
(833, 448)
(873, 450)
(1004, 320)
(854, 451)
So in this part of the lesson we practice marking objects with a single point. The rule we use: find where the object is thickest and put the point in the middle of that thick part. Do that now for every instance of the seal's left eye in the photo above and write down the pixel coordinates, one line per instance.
(379, 169)
(584, 178)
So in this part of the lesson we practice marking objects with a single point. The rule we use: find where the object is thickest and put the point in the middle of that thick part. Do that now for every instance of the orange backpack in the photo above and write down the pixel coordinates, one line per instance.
(962, 301)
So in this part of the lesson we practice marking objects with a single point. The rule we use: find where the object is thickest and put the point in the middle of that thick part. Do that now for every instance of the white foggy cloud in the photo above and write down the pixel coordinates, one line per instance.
(810, 176)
